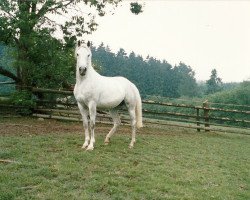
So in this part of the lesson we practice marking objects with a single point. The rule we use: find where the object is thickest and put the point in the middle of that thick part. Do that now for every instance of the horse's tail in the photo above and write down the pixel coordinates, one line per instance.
(138, 110)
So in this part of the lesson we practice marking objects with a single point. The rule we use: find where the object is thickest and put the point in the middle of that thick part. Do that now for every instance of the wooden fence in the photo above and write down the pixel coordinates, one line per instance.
(190, 116)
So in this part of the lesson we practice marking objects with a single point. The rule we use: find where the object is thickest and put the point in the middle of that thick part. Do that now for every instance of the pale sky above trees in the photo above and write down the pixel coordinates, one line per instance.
(202, 34)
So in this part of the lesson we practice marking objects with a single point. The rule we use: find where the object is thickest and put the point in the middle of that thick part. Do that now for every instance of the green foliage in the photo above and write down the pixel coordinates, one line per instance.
(214, 84)
(25, 102)
(53, 62)
(203, 87)
(230, 85)
(136, 8)
(187, 85)
(238, 96)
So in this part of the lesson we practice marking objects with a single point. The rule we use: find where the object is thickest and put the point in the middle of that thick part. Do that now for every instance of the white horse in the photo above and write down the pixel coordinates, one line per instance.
(93, 91)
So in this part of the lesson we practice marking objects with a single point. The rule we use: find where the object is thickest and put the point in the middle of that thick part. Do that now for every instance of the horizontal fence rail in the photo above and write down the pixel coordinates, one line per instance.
(155, 113)
(194, 107)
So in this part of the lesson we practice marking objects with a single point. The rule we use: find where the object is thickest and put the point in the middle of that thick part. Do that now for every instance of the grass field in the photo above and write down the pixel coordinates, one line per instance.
(44, 160)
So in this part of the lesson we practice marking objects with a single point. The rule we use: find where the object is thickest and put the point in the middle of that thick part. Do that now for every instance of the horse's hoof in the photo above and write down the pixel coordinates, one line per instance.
(90, 148)
(84, 146)
(106, 142)
(131, 145)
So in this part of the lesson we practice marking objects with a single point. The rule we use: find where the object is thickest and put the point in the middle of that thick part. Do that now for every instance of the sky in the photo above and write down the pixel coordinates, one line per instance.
(202, 34)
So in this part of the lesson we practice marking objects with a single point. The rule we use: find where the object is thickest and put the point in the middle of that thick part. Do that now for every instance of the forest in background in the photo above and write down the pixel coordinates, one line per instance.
(153, 77)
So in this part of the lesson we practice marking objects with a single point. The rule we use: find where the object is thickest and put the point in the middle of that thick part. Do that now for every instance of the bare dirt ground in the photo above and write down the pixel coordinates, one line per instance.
(9, 126)
(28, 125)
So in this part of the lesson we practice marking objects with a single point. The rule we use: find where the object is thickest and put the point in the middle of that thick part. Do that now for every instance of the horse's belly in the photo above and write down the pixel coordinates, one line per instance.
(108, 105)
(103, 100)
(106, 102)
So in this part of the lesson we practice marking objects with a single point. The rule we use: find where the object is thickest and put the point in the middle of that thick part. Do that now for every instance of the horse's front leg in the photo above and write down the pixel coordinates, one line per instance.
(84, 113)
(92, 116)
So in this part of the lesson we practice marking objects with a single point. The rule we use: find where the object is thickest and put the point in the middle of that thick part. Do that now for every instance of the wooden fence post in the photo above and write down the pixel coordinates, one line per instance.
(198, 118)
(206, 114)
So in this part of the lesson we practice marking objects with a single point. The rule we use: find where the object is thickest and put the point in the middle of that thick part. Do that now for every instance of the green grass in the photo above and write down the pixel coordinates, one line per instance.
(171, 164)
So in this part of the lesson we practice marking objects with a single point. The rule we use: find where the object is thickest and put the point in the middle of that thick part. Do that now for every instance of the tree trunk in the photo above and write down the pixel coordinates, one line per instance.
(26, 29)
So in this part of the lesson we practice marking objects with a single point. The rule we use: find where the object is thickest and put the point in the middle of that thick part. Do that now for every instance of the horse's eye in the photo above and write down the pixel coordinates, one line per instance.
(77, 54)
(88, 55)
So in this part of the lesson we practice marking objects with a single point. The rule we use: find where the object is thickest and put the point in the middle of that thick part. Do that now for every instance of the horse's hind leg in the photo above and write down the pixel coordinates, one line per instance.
(116, 119)
(131, 111)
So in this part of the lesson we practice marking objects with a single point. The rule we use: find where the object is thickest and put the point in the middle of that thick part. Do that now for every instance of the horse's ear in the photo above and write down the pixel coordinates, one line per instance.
(89, 44)
(79, 43)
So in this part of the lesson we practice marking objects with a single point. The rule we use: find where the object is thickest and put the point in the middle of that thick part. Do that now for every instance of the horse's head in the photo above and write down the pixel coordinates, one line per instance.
(83, 57)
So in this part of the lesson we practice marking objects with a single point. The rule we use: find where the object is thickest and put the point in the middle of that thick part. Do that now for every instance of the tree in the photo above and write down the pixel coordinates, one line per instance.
(135, 8)
(121, 53)
(214, 84)
(22, 21)
(187, 85)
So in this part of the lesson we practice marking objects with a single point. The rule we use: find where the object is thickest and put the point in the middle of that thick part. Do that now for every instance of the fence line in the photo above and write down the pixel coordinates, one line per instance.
(199, 120)
(59, 91)
(75, 113)
(196, 101)
(194, 107)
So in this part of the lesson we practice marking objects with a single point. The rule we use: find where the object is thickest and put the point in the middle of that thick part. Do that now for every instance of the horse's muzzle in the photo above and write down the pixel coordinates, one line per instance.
(82, 71)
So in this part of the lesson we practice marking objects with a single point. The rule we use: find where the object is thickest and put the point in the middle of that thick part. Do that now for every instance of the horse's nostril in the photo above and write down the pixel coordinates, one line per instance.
(82, 70)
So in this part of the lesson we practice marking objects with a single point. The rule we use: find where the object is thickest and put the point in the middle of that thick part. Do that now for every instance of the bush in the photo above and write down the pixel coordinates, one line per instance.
(25, 102)
(237, 96)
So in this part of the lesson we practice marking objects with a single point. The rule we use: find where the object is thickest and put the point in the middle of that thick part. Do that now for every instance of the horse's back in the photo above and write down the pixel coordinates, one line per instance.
(131, 91)
(109, 92)
(115, 90)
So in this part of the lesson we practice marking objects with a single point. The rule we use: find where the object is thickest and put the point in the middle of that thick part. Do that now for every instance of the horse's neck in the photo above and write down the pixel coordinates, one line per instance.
(90, 75)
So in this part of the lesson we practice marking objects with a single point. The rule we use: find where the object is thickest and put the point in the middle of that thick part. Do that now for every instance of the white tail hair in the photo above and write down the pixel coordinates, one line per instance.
(138, 111)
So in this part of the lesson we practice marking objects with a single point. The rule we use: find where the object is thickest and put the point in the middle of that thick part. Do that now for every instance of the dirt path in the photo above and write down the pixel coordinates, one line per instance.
(17, 126)
(14, 126)
(28, 125)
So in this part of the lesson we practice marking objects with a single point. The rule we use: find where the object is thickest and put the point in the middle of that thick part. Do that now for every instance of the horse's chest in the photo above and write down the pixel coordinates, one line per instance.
(83, 95)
